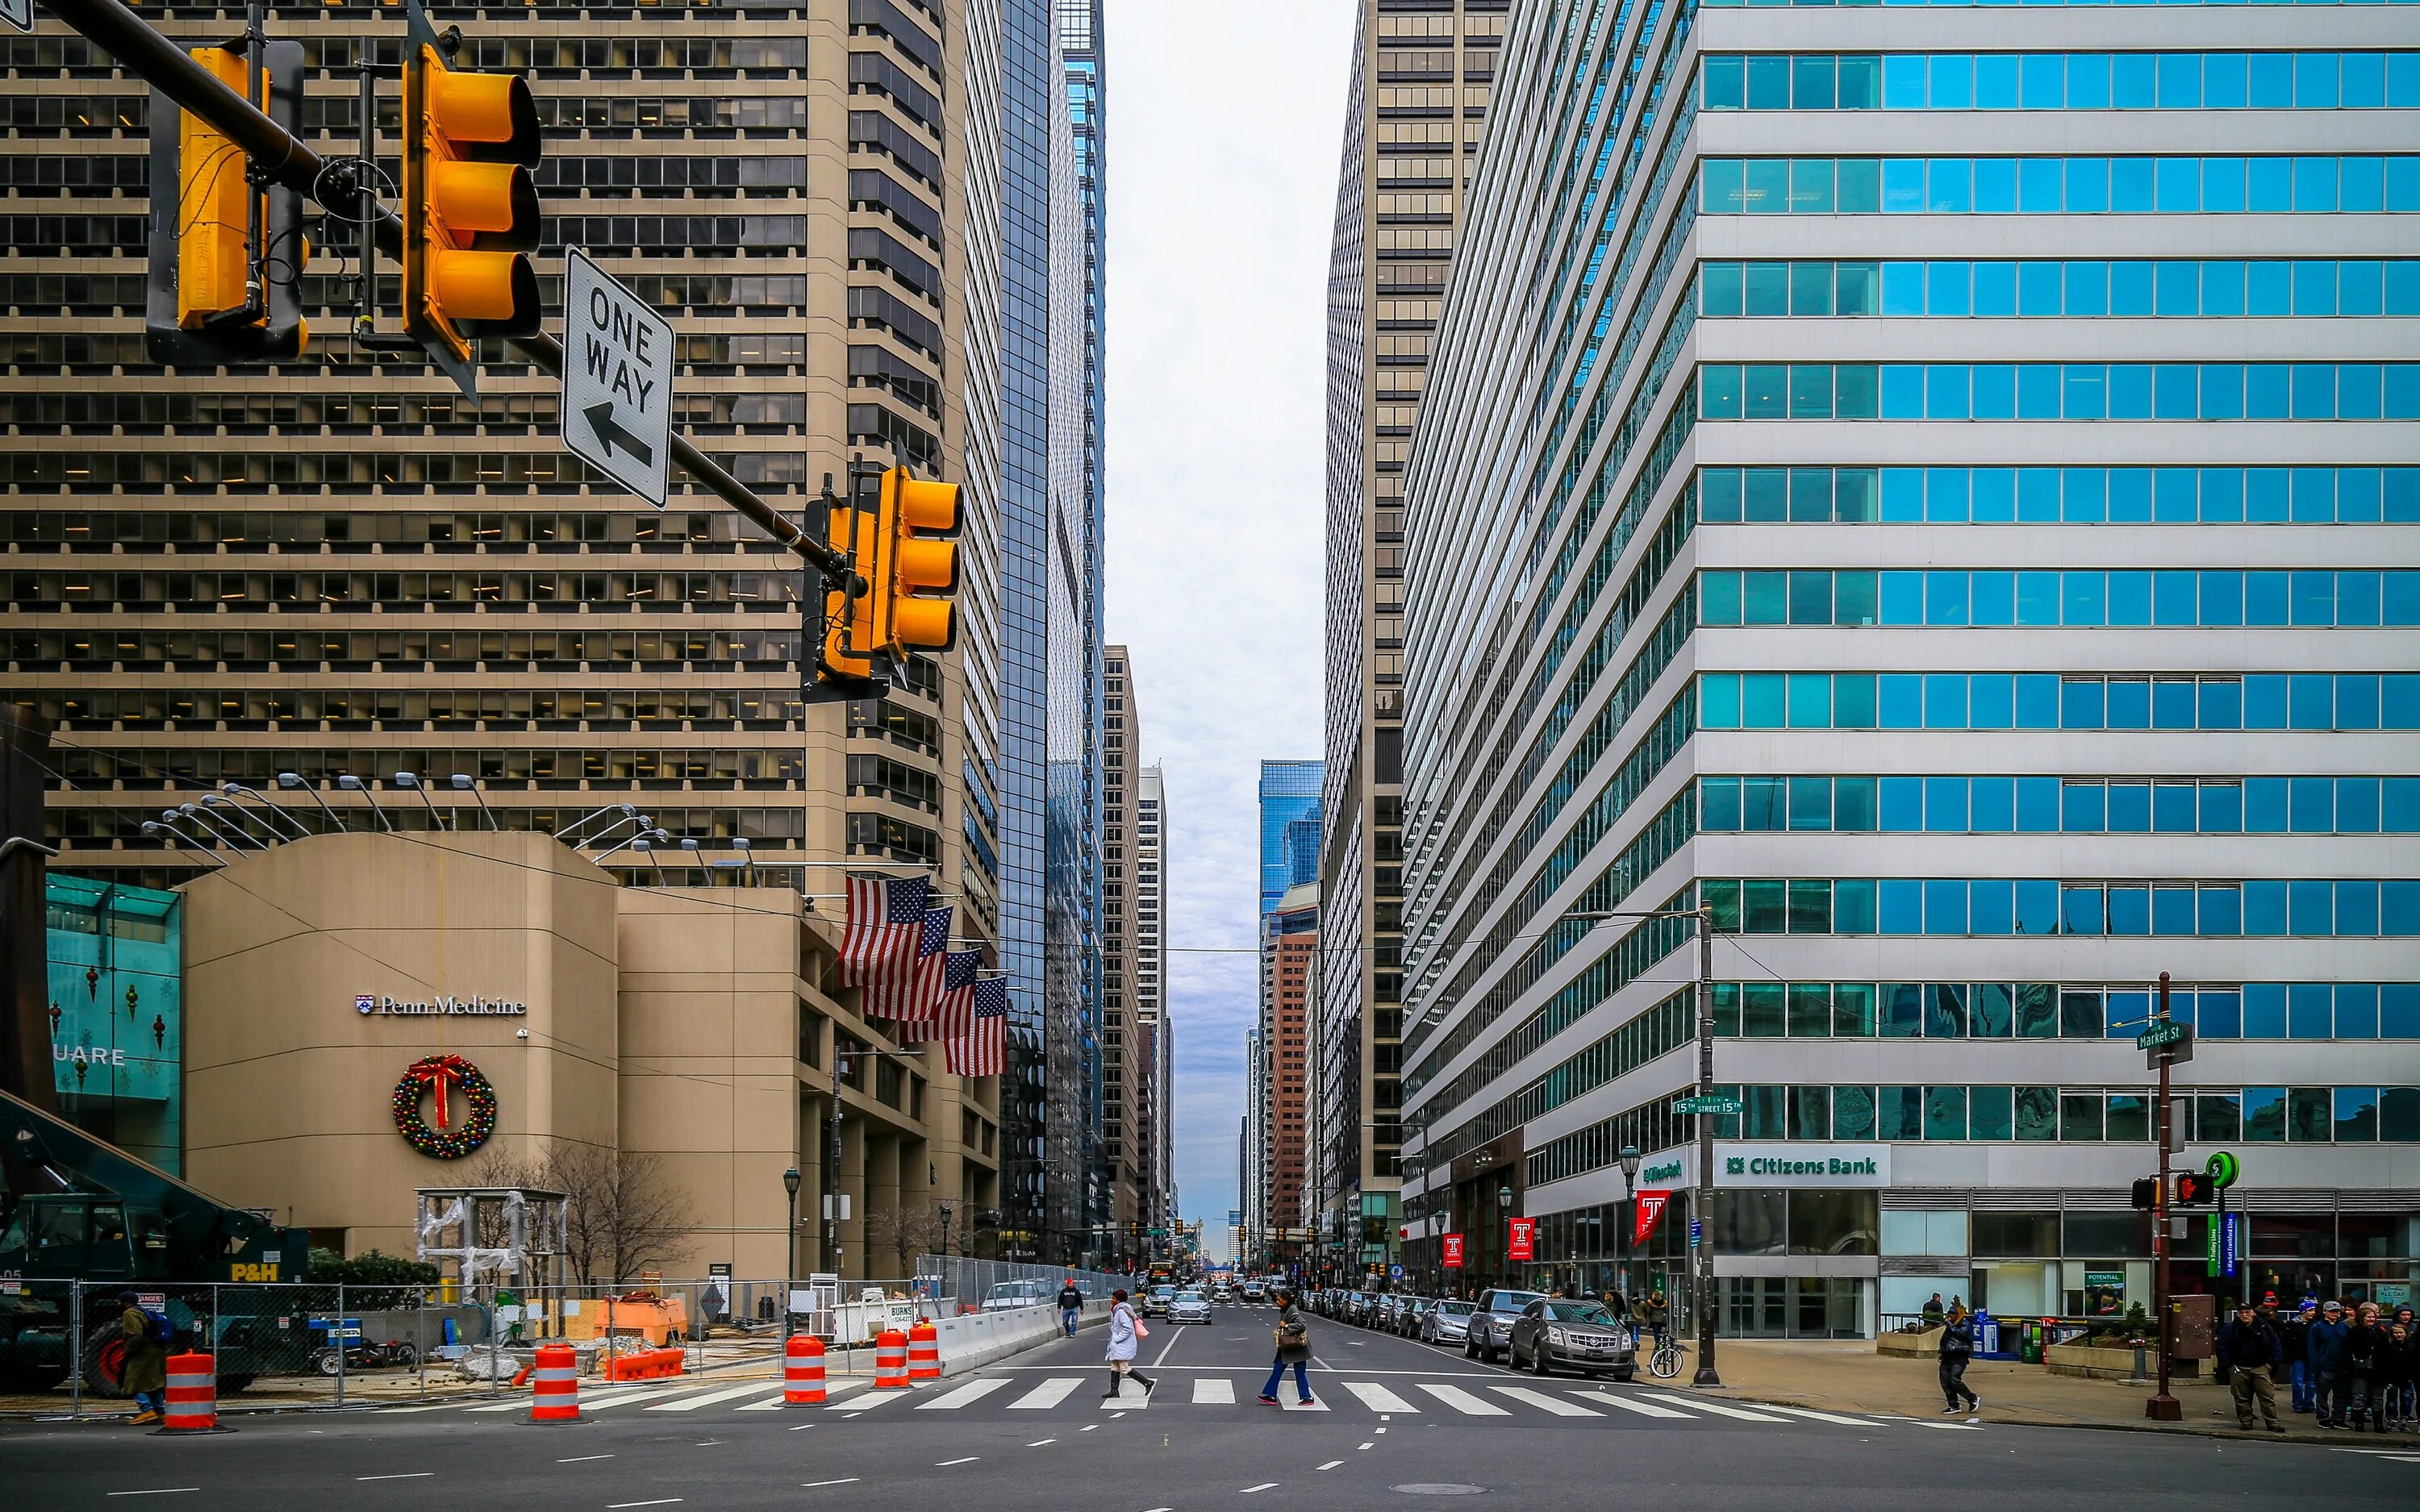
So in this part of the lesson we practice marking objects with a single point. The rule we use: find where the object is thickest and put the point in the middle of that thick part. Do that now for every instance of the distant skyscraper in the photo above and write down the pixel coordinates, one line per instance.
(1154, 1016)
(1418, 91)
(1127, 893)
(1289, 792)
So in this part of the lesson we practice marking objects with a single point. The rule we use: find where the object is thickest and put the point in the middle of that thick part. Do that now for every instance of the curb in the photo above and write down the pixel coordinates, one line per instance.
(2097, 1424)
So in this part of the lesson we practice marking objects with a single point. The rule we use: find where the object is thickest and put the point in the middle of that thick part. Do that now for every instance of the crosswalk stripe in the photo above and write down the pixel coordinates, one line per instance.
(644, 1394)
(1126, 1400)
(1821, 1417)
(1378, 1399)
(832, 1392)
(1632, 1404)
(770, 1404)
(1551, 1404)
(1294, 1402)
(1049, 1394)
(974, 1391)
(691, 1404)
(1725, 1410)
(1463, 1401)
(1213, 1391)
(871, 1400)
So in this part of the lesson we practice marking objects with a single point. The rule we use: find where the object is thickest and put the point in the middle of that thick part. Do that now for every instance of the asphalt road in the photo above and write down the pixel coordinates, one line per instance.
(1398, 1424)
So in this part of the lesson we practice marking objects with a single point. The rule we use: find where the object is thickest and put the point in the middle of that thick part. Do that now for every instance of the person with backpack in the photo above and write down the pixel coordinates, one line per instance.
(2250, 1349)
(148, 1335)
(1957, 1353)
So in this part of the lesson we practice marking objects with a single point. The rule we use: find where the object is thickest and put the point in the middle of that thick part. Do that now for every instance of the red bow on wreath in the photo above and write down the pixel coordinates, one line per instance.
(434, 1072)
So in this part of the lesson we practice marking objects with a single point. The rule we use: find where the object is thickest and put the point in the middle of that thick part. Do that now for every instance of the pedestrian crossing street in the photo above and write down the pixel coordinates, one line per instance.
(1470, 1396)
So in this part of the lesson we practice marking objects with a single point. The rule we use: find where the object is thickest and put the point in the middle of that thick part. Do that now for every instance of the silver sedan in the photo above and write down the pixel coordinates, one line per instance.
(1189, 1308)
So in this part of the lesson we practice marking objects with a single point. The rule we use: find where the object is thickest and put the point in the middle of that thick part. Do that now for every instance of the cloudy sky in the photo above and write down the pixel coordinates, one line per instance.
(1222, 133)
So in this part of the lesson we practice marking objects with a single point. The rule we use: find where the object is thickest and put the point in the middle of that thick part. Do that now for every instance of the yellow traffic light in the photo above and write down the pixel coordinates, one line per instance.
(213, 260)
(848, 624)
(226, 252)
(471, 210)
(914, 572)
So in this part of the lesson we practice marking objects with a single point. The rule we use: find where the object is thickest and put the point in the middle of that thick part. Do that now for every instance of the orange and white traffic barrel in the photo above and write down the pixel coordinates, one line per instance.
(193, 1395)
(890, 1361)
(923, 1351)
(802, 1370)
(555, 1385)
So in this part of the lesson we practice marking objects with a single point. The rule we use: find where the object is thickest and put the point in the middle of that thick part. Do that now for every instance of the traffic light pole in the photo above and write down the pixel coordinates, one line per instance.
(283, 160)
(2162, 1407)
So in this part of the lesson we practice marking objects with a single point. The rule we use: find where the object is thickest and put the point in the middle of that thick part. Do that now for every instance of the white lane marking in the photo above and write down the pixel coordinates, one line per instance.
(1362, 1447)
(795, 1427)
(1698, 1404)
(1332, 1464)
(171, 1490)
(974, 1391)
(767, 1405)
(811, 1484)
(581, 1459)
(400, 1475)
(691, 1404)
(1169, 1349)
(1088, 1428)
(1049, 1394)
(1969, 1427)
(1551, 1404)
(774, 1404)
(1632, 1404)
(1463, 1401)
(868, 1403)
(1039, 1442)
(645, 1394)
(944, 1464)
(1378, 1399)
(1126, 1401)
(396, 1412)
(661, 1501)
(1821, 1417)
(1265, 1486)
(1213, 1390)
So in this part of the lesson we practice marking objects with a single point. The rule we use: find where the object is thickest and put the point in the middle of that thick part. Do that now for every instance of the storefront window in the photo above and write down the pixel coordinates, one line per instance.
(1834, 1223)
(2103, 1234)
(1751, 1223)
(2017, 1234)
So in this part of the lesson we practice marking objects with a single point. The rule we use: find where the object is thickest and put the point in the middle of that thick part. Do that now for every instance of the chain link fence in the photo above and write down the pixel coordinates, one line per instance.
(994, 1285)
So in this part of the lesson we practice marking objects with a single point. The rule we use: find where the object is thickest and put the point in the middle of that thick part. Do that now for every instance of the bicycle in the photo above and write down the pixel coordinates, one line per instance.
(1665, 1363)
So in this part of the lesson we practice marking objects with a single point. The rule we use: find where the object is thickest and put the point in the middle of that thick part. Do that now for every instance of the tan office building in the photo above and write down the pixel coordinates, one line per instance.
(1422, 71)
(1128, 1063)
(688, 1026)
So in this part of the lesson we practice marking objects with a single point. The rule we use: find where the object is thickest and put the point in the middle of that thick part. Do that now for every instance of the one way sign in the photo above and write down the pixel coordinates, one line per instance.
(617, 381)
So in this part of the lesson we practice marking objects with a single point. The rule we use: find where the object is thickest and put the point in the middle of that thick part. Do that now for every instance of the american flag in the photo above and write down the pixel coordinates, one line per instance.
(914, 995)
(975, 1040)
(886, 918)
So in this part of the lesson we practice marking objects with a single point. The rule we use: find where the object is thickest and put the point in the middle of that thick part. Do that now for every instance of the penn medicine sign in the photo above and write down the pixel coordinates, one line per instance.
(368, 1004)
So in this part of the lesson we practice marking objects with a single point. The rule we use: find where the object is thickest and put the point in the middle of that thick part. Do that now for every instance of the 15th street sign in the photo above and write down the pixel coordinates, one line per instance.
(1721, 1107)
(617, 381)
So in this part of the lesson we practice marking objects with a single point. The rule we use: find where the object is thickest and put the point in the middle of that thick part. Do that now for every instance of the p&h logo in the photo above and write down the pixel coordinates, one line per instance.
(365, 1002)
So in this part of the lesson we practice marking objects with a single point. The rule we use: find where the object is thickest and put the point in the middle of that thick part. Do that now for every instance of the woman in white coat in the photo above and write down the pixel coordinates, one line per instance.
(1125, 1334)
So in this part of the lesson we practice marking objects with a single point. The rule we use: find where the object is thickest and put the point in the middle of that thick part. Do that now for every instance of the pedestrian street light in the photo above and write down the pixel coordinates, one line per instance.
(1630, 1169)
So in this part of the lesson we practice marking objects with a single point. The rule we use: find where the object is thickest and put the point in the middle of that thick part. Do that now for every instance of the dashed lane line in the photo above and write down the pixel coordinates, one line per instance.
(844, 1480)
(159, 1490)
(944, 1464)
(1265, 1486)
(400, 1475)
(1332, 1464)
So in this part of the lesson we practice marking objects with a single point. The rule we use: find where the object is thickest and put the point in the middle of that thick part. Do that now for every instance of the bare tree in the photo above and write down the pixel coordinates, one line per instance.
(907, 1230)
(623, 1213)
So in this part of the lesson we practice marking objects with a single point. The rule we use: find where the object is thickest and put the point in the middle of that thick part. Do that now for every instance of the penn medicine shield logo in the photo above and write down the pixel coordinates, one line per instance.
(365, 1002)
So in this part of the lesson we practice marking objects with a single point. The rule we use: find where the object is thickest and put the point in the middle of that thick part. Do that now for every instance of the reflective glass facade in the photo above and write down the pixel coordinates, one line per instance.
(1694, 618)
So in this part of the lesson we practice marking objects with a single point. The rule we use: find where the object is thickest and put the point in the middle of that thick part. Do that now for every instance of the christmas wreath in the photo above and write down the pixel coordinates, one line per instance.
(434, 1074)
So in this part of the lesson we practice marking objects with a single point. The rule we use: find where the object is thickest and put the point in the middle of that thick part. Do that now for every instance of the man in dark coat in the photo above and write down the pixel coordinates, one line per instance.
(2249, 1346)
(2326, 1348)
(147, 1362)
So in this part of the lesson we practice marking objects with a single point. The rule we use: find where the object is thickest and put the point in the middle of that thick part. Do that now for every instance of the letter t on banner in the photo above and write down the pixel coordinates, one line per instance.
(1651, 1208)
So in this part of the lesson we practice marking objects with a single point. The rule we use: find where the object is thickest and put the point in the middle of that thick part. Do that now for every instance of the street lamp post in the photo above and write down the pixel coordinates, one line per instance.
(945, 1230)
(1504, 1235)
(789, 1249)
(1630, 1218)
(1701, 1199)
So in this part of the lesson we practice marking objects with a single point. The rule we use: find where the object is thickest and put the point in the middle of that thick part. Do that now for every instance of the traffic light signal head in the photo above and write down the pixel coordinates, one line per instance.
(915, 571)
(849, 621)
(2147, 1192)
(214, 294)
(2194, 1189)
(471, 210)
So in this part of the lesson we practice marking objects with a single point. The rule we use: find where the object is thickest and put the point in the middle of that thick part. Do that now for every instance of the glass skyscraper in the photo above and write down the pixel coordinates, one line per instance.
(1289, 792)
(1984, 579)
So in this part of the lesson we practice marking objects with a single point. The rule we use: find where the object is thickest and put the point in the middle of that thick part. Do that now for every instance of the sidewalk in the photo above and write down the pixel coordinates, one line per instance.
(1846, 1375)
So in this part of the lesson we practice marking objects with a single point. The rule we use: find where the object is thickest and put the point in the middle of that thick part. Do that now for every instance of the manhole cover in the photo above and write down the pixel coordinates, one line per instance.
(1431, 1488)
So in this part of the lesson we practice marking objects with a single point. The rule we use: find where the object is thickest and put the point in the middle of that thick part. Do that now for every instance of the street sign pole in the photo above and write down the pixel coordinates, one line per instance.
(2162, 1407)
(1703, 1251)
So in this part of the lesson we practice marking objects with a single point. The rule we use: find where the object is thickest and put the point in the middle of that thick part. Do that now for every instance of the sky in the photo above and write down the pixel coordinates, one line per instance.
(1222, 131)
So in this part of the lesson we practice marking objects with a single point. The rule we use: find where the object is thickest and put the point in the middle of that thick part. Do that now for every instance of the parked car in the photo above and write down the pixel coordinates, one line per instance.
(1003, 1295)
(1447, 1322)
(1408, 1318)
(1490, 1333)
(1156, 1300)
(1189, 1306)
(1555, 1334)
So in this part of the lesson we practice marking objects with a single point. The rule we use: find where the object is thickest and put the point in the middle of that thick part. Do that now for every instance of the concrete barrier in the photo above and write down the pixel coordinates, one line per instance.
(980, 1339)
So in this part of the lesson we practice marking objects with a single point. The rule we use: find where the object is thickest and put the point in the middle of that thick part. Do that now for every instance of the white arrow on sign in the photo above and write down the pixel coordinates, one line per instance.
(18, 13)
(617, 381)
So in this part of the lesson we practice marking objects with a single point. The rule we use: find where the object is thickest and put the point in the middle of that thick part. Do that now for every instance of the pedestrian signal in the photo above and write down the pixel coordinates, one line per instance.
(2195, 1189)
(2147, 1192)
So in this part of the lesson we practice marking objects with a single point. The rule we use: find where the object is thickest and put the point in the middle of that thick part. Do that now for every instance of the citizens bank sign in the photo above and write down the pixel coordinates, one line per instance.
(368, 1004)
(1815, 1165)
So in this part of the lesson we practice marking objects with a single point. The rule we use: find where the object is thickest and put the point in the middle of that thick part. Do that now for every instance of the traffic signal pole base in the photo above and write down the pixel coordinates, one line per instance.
(1706, 1377)
(2163, 1408)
